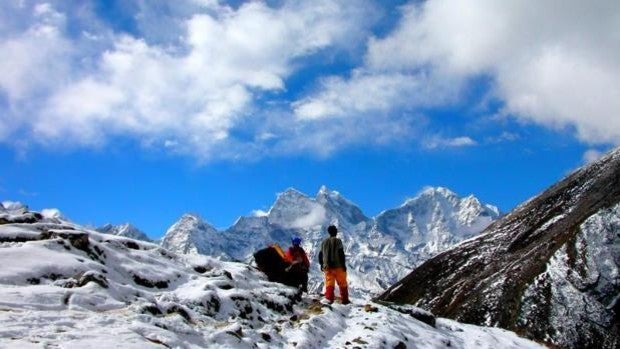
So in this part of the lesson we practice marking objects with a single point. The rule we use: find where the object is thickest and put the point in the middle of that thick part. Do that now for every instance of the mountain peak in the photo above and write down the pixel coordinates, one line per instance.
(125, 229)
(343, 209)
(191, 234)
(292, 192)
(436, 218)
(324, 190)
(191, 217)
(433, 194)
(438, 191)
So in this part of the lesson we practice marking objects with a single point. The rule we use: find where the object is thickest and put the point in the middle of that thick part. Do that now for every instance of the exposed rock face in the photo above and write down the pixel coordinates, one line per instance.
(548, 270)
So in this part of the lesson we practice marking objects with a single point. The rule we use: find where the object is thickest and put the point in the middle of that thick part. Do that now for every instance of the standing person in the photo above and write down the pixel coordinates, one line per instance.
(331, 258)
(299, 264)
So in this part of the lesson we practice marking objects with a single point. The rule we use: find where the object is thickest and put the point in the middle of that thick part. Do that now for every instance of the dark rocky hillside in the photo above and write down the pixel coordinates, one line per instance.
(548, 270)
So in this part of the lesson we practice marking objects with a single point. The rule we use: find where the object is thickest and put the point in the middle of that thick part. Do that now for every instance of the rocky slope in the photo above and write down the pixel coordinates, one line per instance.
(66, 286)
(380, 250)
(548, 270)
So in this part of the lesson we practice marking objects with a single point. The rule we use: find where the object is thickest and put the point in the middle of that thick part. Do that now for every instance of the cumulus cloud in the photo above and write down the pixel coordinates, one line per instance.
(555, 63)
(208, 79)
(195, 88)
(36, 59)
(367, 92)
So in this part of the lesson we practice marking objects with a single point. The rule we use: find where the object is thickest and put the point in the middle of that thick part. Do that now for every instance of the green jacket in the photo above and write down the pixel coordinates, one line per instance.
(332, 253)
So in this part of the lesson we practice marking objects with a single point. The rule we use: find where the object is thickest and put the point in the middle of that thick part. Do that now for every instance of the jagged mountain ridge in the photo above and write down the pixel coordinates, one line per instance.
(380, 250)
(127, 230)
(548, 270)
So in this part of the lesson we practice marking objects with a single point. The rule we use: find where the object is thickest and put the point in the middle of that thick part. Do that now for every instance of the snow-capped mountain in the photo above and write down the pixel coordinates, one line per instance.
(549, 270)
(126, 230)
(65, 286)
(191, 234)
(379, 250)
(435, 220)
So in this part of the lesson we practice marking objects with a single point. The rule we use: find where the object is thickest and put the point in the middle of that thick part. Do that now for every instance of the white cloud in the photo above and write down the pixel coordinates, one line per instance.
(194, 88)
(259, 213)
(440, 142)
(52, 213)
(197, 77)
(555, 63)
(503, 137)
(370, 92)
(316, 216)
(591, 155)
(322, 137)
(35, 60)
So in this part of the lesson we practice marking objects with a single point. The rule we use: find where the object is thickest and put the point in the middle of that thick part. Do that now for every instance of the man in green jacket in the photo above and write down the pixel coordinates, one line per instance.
(332, 260)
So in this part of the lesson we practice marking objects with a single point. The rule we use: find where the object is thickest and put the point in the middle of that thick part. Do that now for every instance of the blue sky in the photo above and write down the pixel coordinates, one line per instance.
(140, 111)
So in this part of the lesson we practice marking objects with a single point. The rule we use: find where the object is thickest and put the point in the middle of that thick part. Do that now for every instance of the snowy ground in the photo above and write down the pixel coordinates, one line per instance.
(63, 286)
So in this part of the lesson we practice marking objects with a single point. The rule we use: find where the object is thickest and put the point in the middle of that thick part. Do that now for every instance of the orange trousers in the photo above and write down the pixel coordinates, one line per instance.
(335, 275)
(338, 275)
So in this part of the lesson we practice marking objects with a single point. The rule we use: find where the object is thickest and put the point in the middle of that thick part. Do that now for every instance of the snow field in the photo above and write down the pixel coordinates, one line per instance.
(64, 286)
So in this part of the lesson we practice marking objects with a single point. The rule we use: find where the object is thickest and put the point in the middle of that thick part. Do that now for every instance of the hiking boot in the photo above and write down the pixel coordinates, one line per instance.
(344, 295)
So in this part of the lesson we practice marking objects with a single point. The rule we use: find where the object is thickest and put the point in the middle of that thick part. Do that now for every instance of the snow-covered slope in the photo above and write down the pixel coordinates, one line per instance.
(550, 269)
(65, 286)
(380, 250)
(127, 230)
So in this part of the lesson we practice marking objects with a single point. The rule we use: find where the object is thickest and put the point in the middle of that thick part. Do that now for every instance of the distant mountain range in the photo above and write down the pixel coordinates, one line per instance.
(549, 270)
(379, 250)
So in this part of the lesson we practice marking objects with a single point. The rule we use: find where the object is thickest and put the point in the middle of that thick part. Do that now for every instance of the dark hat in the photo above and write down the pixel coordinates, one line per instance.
(332, 230)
